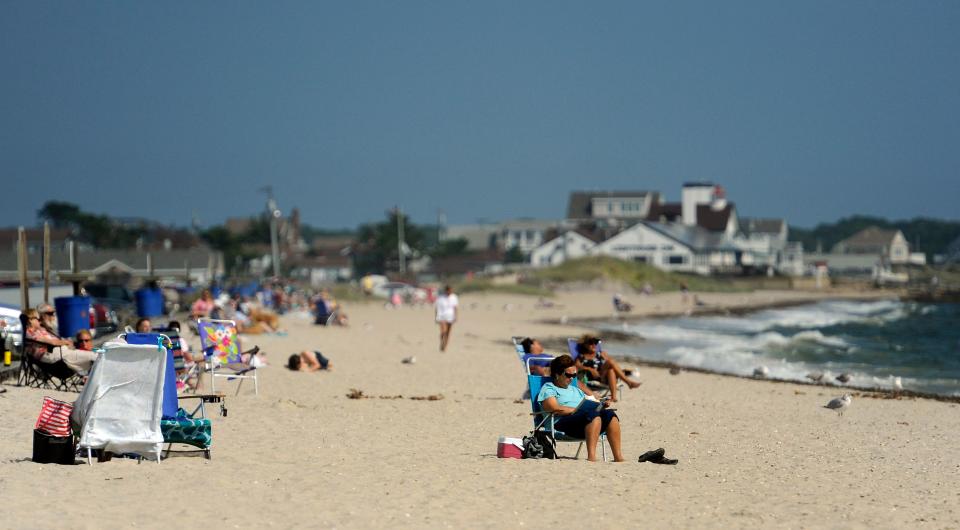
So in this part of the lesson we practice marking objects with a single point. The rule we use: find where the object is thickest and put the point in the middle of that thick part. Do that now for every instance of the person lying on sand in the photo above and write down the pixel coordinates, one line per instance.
(309, 361)
(599, 366)
(561, 397)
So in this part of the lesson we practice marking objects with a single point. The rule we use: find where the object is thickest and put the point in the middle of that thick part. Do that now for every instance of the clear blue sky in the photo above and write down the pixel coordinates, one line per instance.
(806, 110)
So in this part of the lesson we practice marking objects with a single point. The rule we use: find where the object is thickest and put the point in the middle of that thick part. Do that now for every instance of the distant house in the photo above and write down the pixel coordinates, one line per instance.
(673, 247)
(889, 245)
(619, 208)
(524, 234)
(568, 245)
(766, 246)
(202, 264)
(59, 238)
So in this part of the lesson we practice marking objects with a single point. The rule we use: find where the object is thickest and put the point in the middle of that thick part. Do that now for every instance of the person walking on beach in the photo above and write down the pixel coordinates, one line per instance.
(446, 306)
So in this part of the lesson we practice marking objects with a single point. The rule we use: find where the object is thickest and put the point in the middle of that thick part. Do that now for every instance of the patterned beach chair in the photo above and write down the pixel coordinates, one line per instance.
(221, 350)
(544, 421)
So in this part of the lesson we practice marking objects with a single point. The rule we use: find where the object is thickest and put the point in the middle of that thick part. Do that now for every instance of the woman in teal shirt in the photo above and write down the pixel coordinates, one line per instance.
(561, 397)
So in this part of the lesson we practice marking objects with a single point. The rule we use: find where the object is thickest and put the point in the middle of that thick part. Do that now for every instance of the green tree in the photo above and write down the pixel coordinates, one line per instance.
(450, 247)
(378, 248)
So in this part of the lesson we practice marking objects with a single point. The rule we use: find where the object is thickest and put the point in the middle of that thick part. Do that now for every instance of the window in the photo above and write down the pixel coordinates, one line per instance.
(674, 259)
(640, 259)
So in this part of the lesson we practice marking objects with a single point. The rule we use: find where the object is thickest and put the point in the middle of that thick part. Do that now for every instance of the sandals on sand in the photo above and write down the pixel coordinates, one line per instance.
(656, 457)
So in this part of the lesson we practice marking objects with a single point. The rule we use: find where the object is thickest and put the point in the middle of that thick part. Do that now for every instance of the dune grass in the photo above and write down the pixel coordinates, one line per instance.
(636, 275)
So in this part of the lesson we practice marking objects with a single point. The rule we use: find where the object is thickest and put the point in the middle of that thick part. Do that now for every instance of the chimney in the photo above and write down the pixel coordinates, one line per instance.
(694, 193)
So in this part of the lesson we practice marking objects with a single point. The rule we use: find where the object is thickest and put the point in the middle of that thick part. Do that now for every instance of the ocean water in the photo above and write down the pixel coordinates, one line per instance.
(873, 341)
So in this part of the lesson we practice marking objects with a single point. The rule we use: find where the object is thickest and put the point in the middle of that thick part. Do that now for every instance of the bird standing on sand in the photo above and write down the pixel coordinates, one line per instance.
(761, 371)
(839, 404)
(897, 384)
(844, 377)
(816, 377)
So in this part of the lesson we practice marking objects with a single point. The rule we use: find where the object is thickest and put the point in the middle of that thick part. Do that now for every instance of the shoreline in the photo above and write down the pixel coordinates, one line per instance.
(740, 310)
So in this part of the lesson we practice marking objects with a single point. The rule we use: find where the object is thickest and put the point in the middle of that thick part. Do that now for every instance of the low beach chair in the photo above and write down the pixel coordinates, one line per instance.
(597, 386)
(120, 407)
(32, 373)
(221, 351)
(544, 421)
(176, 424)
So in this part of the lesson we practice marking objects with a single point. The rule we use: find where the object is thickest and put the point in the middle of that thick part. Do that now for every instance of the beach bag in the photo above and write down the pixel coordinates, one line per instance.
(54, 417)
(539, 445)
(53, 442)
(531, 447)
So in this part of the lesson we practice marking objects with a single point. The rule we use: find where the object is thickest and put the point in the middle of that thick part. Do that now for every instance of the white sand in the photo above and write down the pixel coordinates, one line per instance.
(303, 455)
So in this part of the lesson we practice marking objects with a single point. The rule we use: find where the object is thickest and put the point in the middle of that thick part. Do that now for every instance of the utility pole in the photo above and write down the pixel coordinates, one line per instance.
(274, 214)
(400, 242)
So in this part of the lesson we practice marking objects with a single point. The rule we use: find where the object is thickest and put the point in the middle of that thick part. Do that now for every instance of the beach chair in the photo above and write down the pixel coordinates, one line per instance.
(120, 407)
(32, 373)
(221, 351)
(323, 315)
(542, 359)
(596, 386)
(187, 377)
(544, 421)
(176, 424)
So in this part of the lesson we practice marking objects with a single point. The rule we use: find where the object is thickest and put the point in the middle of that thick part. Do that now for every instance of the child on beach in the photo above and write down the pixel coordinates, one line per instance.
(309, 361)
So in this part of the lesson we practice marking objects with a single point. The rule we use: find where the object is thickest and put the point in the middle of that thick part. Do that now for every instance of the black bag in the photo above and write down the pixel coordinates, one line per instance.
(539, 445)
(53, 449)
(545, 439)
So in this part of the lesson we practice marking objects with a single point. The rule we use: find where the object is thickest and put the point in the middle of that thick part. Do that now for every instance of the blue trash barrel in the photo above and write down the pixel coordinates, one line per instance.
(73, 314)
(170, 404)
(149, 302)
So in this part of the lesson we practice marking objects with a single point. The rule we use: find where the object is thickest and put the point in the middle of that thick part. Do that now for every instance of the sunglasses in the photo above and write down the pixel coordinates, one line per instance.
(49, 313)
(568, 374)
(86, 340)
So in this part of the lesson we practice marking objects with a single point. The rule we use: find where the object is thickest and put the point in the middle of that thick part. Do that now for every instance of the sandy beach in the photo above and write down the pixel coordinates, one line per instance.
(304, 455)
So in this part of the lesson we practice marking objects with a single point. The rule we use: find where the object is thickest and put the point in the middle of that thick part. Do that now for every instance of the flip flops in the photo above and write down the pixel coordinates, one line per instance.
(656, 457)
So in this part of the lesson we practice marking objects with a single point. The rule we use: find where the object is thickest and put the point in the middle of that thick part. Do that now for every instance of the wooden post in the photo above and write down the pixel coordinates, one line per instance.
(74, 268)
(22, 269)
(46, 263)
(186, 269)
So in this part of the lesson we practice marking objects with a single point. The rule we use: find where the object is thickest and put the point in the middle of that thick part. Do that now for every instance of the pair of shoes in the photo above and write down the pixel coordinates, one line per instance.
(651, 456)
(665, 460)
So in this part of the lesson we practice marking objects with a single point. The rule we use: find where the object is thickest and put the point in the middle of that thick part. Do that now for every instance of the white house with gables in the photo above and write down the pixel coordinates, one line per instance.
(672, 247)
(568, 245)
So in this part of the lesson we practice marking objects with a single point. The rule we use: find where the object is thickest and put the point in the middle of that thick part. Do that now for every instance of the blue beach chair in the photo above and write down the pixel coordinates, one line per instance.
(544, 421)
(176, 424)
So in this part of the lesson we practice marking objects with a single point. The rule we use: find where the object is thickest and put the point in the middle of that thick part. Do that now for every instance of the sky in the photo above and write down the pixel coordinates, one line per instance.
(809, 111)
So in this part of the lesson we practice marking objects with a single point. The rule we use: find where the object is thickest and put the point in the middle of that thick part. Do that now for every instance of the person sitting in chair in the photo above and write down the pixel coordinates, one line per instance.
(48, 348)
(599, 366)
(83, 340)
(562, 398)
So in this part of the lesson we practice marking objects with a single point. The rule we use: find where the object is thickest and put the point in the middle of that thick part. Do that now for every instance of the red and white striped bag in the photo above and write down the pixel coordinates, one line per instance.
(54, 417)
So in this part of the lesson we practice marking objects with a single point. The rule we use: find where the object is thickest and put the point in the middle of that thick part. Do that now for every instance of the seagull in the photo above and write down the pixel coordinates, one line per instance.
(816, 377)
(897, 384)
(838, 404)
(409, 360)
(844, 377)
(761, 371)
(674, 371)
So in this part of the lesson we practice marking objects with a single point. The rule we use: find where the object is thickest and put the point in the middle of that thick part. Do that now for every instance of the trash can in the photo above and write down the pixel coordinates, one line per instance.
(73, 314)
(149, 302)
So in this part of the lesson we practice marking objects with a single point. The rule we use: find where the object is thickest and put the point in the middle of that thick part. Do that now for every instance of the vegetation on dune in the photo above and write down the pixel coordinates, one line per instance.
(636, 275)
(487, 286)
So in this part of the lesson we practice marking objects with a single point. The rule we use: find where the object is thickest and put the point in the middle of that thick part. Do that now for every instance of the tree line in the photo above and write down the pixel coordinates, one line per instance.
(930, 236)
